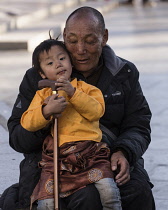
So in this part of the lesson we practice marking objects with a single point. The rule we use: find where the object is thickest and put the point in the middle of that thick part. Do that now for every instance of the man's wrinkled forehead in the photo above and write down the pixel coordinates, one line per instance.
(83, 19)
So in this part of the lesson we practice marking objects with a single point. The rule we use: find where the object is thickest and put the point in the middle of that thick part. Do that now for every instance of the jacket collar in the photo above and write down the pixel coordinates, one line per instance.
(112, 62)
(112, 66)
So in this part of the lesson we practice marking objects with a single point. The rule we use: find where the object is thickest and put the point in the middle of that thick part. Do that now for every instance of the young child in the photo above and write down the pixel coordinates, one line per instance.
(83, 158)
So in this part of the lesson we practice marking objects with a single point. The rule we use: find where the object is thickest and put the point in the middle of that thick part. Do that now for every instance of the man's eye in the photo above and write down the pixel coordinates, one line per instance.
(72, 41)
(90, 42)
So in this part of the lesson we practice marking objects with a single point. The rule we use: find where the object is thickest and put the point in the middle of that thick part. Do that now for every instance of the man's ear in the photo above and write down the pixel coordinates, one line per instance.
(64, 34)
(105, 37)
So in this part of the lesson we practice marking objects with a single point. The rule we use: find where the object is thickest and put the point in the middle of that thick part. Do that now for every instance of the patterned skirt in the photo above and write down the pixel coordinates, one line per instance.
(80, 163)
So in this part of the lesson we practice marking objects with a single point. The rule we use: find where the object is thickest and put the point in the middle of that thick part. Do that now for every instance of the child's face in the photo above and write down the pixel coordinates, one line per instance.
(55, 63)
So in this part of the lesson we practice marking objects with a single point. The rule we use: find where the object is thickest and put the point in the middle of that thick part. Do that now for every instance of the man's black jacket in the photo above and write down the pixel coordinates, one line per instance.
(127, 115)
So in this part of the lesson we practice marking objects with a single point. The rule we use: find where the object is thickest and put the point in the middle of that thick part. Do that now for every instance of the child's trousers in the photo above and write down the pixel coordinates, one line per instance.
(46, 204)
(109, 194)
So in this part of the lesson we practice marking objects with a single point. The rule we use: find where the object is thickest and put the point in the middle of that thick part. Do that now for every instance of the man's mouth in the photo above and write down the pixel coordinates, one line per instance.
(82, 61)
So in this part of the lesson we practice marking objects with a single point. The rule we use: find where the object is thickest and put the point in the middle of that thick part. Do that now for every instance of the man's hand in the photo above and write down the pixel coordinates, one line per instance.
(120, 166)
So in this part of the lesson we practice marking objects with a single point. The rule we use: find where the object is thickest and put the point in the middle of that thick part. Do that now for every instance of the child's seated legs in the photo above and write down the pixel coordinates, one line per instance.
(109, 194)
(46, 204)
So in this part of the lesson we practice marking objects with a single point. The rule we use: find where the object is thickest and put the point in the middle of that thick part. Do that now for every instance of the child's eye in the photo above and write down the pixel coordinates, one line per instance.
(62, 58)
(50, 63)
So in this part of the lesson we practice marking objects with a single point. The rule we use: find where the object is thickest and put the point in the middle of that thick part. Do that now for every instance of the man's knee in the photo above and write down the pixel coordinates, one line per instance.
(137, 194)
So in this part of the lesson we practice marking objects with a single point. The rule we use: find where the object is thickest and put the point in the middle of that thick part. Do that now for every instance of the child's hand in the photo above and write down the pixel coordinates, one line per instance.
(64, 84)
(45, 102)
(54, 106)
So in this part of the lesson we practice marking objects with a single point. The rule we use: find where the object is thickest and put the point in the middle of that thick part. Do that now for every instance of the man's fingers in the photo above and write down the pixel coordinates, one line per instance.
(124, 169)
(120, 166)
(123, 180)
(114, 162)
(123, 176)
(113, 165)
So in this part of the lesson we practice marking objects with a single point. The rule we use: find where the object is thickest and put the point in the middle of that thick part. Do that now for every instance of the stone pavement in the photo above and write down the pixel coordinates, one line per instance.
(22, 13)
(136, 33)
(141, 35)
(28, 22)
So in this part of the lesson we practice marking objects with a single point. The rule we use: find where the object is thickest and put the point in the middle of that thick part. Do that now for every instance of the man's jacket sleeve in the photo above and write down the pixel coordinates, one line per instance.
(135, 129)
(20, 139)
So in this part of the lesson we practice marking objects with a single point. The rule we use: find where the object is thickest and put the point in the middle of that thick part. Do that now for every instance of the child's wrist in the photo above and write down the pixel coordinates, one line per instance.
(72, 93)
(46, 113)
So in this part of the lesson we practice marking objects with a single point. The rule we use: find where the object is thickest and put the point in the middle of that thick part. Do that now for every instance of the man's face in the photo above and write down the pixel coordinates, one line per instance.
(84, 40)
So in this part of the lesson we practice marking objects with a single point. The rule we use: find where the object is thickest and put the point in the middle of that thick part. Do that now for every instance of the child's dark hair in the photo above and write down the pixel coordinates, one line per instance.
(45, 46)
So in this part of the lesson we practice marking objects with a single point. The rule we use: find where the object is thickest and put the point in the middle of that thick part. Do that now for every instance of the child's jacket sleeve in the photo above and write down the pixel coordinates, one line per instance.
(88, 101)
(33, 119)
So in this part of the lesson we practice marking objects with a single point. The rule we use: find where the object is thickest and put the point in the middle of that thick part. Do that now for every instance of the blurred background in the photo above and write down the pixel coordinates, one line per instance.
(138, 31)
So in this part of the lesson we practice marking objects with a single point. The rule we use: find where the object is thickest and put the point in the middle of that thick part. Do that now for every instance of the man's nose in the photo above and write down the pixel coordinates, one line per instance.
(81, 49)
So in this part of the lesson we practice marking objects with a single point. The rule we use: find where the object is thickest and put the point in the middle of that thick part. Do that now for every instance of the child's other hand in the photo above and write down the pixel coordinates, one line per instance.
(64, 84)
(55, 106)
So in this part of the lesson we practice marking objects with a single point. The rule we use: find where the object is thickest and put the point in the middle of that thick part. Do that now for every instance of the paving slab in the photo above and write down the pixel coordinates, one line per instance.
(5, 112)
(140, 35)
(10, 161)
(32, 30)
(22, 13)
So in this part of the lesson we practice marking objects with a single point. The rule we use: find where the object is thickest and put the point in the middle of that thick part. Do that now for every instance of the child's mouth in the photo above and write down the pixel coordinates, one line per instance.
(61, 72)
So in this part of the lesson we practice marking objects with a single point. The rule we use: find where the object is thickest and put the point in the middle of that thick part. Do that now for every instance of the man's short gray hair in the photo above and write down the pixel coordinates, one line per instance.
(89, 10)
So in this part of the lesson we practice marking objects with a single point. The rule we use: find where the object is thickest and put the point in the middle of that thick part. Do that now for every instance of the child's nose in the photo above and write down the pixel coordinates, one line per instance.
(58, 64)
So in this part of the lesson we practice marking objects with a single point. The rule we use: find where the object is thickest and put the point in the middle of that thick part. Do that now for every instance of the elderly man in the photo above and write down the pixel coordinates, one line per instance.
(126, 122)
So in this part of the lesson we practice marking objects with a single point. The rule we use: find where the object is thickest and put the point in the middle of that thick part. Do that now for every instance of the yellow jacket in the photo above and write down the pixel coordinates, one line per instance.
(80, 119)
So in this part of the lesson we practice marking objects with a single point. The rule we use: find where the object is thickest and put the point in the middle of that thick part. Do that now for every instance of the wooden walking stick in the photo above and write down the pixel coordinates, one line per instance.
(42, 84)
